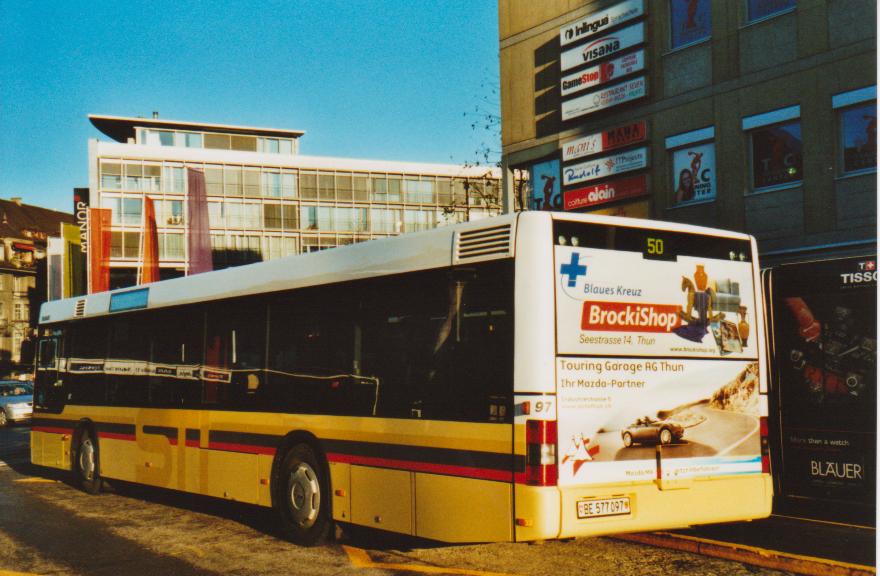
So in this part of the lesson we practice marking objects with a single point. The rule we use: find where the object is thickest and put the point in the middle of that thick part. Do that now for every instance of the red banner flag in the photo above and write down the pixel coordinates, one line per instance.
(199, 242)
(150, 256)
(99, 249)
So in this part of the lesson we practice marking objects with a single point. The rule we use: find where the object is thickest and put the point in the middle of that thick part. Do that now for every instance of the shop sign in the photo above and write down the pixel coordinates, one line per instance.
(601, 20)
(605, 98)
(607, 192)
(81, 216)
(603, 141)
(603, 73)
(694, 171)
(546, 191)
(604, 46)
(607, 166)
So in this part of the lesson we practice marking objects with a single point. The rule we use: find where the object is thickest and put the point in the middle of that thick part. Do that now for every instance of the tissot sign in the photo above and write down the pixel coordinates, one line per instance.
(607, 192)
(604, 46)
(601, 20)
(603, 73)
(603, 141)
(605, 98)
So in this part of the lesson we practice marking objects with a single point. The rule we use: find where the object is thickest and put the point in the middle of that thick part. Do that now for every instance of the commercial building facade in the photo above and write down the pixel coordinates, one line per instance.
(24, 231)
(264, 199)
(751, 115)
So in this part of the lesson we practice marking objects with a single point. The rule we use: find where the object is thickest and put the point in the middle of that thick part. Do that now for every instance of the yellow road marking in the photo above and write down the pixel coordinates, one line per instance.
(182, 548)
(34, 480)
(11, 573)
(808, 565)
(360, 559)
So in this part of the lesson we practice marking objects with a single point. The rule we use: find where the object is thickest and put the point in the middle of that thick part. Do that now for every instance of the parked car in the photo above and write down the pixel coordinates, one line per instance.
(650, 431)
(16, 401)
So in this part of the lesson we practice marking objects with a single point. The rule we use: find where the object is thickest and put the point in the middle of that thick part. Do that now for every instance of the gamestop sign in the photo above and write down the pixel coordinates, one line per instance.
(605, 98)
(608, 192)
(603, 73)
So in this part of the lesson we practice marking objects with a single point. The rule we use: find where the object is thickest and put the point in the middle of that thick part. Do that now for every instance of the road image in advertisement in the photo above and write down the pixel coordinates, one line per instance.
(614, 413)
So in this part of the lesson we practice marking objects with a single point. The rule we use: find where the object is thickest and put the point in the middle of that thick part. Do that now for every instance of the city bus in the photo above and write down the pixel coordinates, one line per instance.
(527, 377)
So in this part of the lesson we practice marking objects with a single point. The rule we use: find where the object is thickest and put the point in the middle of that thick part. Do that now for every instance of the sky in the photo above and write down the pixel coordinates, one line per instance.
(392, 80)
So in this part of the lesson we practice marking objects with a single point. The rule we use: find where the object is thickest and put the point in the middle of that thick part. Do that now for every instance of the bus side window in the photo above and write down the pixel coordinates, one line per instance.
(177, 336)
(126, 364)
(235, 353)
(86, 350)
(311, 354)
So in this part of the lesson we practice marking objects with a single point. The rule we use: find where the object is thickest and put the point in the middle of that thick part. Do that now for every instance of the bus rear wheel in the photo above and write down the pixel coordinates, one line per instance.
(302, 500)
(85, 463)
(665, 436)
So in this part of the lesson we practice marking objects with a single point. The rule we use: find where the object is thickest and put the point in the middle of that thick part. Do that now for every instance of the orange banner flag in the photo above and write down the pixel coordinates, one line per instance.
(150, 256)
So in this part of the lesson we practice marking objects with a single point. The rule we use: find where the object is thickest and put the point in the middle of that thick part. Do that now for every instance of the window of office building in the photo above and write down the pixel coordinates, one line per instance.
(214, 180)
(232, 181)
(776, 148)
(418, 191)
(308, 185)
(174, 179)
(690, 21)
(759, 9)
(310, 217)
(125, 210)
(125, 244)
(111, 176)
(857, 125)
(142, 177)
(272, 216)
(171, 246)
(693, 166)
(169, 212)
(326, 187)
(251, 182)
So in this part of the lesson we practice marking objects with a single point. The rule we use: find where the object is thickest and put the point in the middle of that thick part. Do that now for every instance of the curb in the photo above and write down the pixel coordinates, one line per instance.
(807, 565)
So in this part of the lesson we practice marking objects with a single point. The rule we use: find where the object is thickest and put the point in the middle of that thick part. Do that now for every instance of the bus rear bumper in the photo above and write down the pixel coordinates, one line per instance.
(614, 509)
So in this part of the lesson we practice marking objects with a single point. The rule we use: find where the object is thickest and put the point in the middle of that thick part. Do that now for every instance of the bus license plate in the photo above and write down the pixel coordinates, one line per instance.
(604, 507)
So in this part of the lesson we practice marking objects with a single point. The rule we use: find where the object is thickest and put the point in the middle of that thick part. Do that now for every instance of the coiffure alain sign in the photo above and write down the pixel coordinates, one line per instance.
(601, 20)
(631, 187)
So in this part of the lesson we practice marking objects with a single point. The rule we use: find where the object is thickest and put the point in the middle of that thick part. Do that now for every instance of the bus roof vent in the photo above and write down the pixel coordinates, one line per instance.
(79, 309)
(482, 244)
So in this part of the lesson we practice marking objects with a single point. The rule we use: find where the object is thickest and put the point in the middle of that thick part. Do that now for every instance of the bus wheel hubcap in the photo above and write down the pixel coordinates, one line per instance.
(305, 495)
(87, 459)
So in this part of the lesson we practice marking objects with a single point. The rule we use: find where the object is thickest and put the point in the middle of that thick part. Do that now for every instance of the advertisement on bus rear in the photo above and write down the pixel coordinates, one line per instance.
(614, 414)
(618, 303)
(640, 330)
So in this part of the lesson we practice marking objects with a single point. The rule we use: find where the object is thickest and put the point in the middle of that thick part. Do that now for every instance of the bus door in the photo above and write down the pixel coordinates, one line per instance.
(50, 395)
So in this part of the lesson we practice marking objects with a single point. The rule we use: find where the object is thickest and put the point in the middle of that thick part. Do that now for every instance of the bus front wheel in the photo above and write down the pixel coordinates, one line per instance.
(302, 498)
(85, 463)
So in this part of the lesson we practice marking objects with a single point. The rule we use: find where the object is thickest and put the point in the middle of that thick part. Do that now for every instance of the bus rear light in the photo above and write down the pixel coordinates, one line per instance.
(765, 445)
(541, 468)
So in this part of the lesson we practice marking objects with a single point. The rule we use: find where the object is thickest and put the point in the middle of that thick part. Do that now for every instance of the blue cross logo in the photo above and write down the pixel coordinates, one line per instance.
(573, 270)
